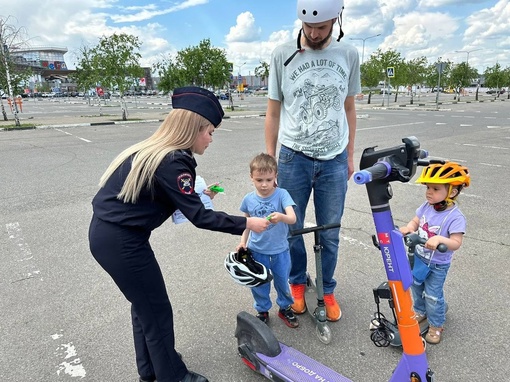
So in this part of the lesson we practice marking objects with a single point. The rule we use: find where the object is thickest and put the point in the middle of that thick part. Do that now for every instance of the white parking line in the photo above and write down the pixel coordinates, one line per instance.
(24, 255)
(68, 133)
(386, 126)
(71, 365)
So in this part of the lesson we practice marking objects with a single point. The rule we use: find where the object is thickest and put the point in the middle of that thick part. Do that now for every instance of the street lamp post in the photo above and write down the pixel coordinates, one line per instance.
(467, 52)
(364, 39)
(239, 70)
(467, 59)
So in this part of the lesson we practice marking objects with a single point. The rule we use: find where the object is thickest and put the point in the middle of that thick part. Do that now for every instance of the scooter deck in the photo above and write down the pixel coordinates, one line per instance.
(292, 365)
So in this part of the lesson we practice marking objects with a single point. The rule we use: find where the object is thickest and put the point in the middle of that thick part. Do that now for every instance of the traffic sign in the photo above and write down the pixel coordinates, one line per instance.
(390, 72)
(440, 67)
(239, 77)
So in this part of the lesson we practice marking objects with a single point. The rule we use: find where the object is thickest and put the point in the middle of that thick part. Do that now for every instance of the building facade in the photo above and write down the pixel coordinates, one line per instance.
(48, 67)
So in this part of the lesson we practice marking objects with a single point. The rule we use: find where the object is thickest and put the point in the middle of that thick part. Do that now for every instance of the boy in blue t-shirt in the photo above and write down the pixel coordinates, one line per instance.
(440, 221)
(271, 247)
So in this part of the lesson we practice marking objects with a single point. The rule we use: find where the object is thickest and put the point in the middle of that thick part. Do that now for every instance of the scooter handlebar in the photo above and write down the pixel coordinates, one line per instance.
(379, 170)
(414, 239)
(313, 229)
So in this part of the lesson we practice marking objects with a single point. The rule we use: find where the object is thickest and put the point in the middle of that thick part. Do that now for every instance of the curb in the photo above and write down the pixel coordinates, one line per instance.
(97, 123)
(71, 125)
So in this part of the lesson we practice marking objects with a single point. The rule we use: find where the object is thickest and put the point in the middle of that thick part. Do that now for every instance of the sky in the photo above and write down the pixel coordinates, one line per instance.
(249, 30)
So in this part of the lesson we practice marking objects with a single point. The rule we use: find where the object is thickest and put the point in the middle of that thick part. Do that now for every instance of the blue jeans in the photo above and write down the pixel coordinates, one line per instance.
(428, 296)
(279, 265)
(299, 175)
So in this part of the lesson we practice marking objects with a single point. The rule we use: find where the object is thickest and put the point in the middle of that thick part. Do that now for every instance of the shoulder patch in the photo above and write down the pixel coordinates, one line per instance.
(185, 183)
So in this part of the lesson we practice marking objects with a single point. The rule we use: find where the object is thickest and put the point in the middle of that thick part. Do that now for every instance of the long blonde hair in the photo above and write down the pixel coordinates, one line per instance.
(178, 131)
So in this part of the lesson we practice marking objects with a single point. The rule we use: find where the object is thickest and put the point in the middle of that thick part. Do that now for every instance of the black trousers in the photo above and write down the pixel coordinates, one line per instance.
(125, 253)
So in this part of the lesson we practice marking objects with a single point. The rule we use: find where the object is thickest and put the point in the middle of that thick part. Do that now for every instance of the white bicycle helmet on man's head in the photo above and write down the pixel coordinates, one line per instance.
(245, 270)
(318, 11)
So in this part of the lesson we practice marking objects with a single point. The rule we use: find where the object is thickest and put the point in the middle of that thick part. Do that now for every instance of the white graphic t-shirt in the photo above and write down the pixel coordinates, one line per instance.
(312, 89)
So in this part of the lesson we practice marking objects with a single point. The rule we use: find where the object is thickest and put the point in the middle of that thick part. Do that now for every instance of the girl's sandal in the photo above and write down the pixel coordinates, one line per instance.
(434, 335)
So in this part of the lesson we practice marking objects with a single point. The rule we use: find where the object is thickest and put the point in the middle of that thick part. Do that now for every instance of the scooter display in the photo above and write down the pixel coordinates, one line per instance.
(263, 353)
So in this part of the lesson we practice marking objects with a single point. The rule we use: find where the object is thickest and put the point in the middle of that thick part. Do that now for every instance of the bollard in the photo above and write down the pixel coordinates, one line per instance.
(19, 102)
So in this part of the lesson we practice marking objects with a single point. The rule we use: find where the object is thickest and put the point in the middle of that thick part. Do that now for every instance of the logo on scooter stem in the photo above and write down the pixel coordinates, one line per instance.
(384, 238)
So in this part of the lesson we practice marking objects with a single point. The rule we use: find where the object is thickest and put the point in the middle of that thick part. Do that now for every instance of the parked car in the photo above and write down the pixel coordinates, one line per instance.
(223, 96)
(385, 90)
(495, 91)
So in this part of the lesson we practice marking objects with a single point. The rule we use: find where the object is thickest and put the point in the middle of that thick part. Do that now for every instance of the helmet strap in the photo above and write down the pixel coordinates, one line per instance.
(340, 25)
(441, 206)
(299, 49)
(449, 200)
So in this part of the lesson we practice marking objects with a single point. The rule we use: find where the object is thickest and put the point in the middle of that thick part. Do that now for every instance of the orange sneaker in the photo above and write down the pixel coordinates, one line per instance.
(298, 293)
(333, 311)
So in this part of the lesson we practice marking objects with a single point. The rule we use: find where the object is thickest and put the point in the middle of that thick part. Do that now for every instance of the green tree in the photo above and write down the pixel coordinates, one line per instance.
(201, 65)
(113, 64)
(496, 77)
(13, 75)
(433, 78)
(414, 73)
(461, 76)
(506, 80)
(377, 65)
(371, 73)
(262, 71)
(86, 76)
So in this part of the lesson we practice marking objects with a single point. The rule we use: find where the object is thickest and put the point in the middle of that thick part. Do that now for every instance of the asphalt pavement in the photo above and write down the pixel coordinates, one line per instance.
(63, 319)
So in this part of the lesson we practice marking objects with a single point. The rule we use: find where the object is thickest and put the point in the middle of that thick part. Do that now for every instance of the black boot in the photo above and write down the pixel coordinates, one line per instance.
(153, 379)
(194, 377)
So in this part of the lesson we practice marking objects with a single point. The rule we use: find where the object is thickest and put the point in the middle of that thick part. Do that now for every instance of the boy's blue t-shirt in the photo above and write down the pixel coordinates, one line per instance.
(274, 239)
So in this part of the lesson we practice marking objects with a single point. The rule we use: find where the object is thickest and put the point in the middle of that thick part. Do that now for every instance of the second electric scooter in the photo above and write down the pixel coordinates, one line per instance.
(263, 353)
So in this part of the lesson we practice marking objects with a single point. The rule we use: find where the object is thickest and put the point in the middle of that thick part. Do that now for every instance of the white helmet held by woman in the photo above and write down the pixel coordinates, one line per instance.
(318, 11)
(245, 270)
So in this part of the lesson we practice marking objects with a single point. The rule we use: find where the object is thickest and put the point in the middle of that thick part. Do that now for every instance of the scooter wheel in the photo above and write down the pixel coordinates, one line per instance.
(323, 333)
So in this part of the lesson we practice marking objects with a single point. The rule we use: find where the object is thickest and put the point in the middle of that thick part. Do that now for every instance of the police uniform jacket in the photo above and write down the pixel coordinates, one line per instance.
(172, 189)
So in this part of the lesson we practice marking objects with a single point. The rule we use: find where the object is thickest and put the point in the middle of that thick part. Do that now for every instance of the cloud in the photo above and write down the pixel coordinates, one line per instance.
(428, 34)
(445, 3)
(489, 22)
(244, 42)
(245, 29)
(150, 11)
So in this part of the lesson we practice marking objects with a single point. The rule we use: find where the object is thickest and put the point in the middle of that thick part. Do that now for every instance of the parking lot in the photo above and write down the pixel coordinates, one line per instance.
(62, 318)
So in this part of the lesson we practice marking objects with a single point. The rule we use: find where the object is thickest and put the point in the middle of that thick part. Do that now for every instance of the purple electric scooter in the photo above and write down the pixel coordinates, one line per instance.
(263, 353)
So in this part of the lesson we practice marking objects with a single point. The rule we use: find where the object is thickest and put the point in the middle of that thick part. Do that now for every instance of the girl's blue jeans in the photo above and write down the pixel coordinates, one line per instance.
(279, 265)
(299, 175)
(428, 296)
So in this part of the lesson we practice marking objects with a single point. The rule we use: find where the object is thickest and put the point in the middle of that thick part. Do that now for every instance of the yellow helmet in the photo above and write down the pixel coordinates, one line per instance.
(449, 173)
